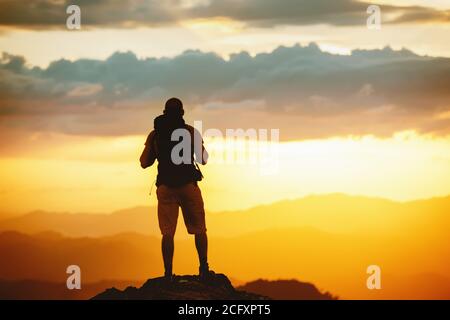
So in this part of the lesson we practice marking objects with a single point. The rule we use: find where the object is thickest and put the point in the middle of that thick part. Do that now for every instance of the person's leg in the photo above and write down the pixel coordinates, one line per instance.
(167, 246)
(167, 218)
(194, 217)
(201, 243)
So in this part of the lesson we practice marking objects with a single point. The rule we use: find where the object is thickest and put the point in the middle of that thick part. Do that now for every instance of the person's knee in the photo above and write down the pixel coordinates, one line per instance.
(168, 237)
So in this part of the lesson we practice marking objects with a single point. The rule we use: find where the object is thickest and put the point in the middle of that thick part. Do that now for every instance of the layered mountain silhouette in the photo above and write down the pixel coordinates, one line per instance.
(334, 262)
(326, 240)
(45, 290)
(138, 219)
(216, 287)
(333, 213)
(181, 288)
(286, 290)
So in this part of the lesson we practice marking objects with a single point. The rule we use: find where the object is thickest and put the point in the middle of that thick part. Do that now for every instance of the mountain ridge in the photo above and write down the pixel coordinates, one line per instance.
(135, 256)
(347, 213)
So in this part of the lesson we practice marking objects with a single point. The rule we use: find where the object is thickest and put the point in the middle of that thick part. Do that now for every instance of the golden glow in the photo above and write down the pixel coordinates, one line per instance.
(208, 26)
(102, 174)
(437, 4)
(328, 240)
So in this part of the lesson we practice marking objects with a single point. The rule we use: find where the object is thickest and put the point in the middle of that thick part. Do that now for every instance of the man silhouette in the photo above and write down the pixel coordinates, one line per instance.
(177, 182)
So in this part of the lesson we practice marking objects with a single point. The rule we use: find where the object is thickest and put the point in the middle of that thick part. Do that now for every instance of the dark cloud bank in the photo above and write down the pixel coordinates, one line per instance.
(301, 90)
(256, 13)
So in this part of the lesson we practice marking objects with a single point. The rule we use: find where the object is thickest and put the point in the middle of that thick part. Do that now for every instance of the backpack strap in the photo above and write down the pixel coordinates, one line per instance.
(198, 168)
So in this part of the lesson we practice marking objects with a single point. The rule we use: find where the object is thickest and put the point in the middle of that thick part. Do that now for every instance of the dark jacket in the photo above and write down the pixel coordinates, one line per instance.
(159, 146)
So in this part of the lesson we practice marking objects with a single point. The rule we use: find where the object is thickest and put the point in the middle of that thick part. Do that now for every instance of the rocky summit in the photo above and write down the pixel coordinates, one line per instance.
(186, 287)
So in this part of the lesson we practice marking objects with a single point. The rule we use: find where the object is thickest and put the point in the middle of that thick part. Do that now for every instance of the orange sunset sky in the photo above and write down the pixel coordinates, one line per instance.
(359, 111)
(362, 114)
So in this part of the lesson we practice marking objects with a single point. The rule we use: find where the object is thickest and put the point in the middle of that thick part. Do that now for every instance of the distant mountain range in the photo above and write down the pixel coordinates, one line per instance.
(139, 219)
(45, 290)
(326, 240)
(334, 263)
(286, 290)
(333, 213)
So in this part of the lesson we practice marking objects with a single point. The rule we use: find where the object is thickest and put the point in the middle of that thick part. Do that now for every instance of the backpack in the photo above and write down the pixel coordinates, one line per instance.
(170, 174)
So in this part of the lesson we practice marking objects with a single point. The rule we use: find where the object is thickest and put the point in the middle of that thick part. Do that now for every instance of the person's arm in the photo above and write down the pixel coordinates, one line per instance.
(201, 155)
(148, 156)
(205, 154)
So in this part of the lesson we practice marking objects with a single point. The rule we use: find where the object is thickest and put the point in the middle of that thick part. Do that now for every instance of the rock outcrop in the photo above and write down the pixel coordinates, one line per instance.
(186, 287)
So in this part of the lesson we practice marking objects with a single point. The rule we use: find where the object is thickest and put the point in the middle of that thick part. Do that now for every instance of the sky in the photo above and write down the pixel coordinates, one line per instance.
(358, 110)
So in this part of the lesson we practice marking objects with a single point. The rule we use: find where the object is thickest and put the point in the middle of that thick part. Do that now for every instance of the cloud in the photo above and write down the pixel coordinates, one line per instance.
(300, 89)
(52, 13)
(253, 13)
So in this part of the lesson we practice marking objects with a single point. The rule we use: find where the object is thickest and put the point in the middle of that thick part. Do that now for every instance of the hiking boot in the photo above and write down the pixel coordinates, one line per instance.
(169, 277)
(205, 273)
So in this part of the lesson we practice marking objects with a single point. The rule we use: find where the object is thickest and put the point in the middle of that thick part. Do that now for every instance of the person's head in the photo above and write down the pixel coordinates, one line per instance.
(174, 107)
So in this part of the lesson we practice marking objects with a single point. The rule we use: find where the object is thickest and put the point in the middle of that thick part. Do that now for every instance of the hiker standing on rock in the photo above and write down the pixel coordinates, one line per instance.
(178, 147)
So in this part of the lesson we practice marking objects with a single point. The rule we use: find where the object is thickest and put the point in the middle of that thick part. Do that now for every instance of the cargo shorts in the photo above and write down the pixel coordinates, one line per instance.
(189, 198)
